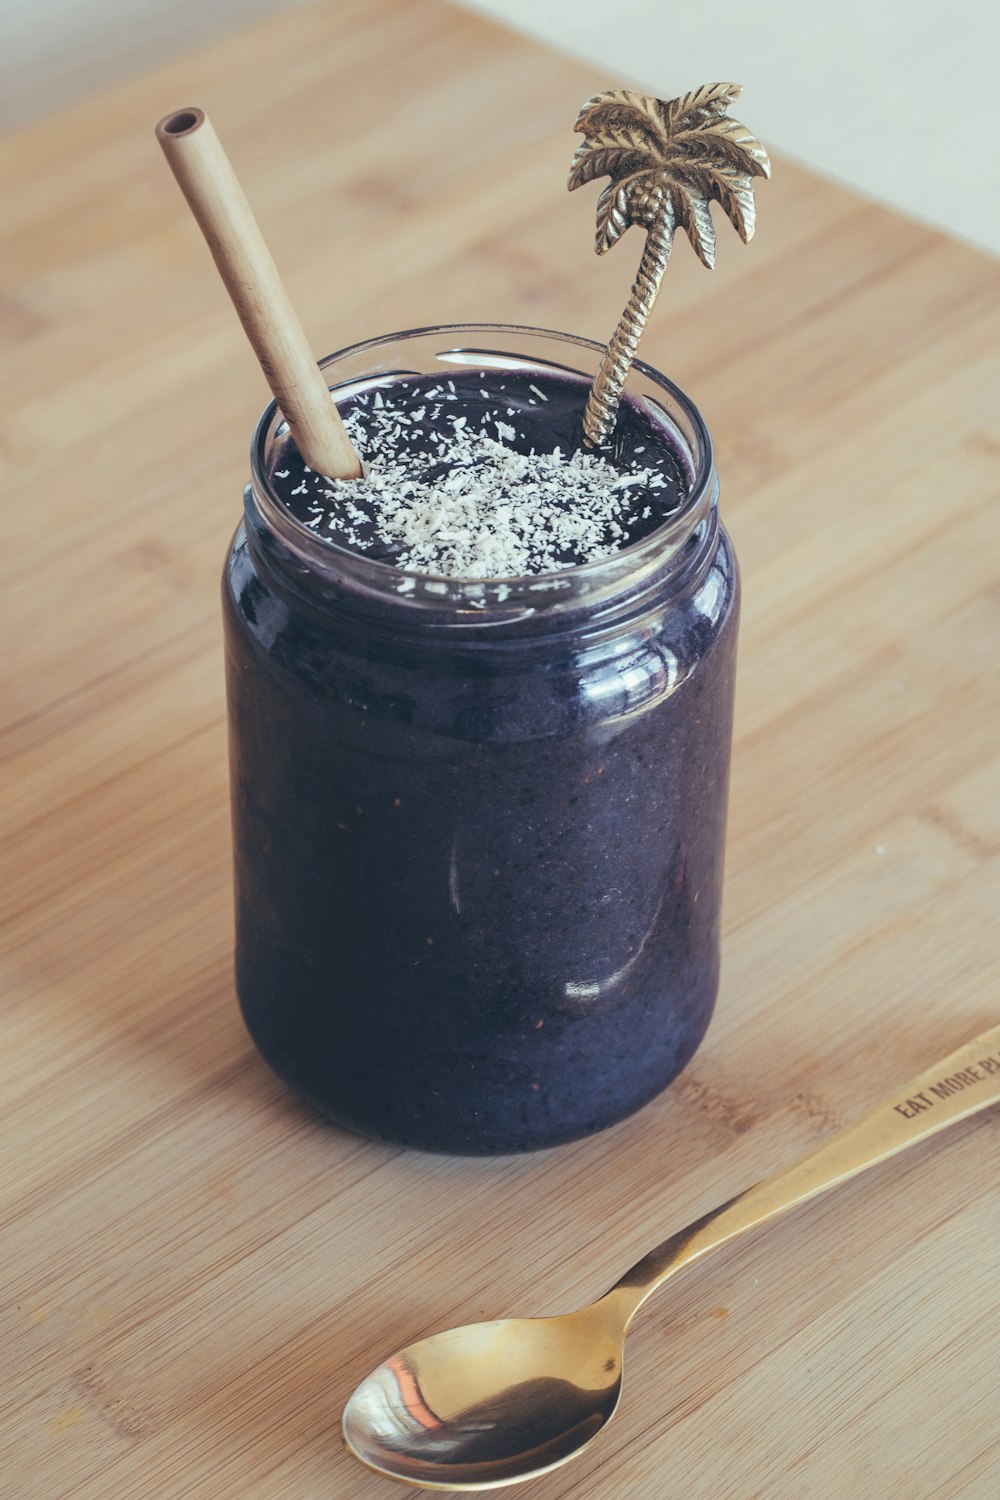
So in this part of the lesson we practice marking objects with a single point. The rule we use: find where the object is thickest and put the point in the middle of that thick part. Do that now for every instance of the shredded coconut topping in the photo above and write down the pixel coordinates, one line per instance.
(464, 494)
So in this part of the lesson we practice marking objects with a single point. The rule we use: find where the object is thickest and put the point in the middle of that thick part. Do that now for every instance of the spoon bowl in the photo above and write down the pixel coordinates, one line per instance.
(484, 1405)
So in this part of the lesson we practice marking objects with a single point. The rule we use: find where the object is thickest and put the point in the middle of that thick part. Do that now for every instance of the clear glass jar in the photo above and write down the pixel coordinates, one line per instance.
(479, 824)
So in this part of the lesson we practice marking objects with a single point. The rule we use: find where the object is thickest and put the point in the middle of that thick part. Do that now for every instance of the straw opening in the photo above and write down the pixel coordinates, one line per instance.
(181, 122)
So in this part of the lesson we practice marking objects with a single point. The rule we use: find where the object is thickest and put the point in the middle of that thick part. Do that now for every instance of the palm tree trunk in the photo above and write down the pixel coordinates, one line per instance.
(609, 383)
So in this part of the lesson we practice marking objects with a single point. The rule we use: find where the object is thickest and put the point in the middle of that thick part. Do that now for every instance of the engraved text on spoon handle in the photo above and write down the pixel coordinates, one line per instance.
(959, 1085)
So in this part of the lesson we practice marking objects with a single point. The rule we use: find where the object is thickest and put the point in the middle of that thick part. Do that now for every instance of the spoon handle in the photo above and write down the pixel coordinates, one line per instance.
(958, 1086)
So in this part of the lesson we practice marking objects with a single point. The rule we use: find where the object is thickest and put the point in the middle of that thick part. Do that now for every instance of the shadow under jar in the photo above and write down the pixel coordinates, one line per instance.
(479, 824)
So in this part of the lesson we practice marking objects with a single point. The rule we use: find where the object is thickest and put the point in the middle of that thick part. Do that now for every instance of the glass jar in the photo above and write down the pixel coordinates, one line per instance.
(479, 824)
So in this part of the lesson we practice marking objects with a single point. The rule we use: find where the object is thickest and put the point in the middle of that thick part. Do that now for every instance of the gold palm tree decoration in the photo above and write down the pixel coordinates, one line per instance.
(667, 161)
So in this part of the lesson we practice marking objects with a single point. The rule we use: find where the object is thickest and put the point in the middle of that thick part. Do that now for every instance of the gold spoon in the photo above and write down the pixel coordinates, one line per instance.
(493, 1403)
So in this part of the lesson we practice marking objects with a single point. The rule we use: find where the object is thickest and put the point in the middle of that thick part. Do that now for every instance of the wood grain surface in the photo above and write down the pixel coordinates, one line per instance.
(196, 1269)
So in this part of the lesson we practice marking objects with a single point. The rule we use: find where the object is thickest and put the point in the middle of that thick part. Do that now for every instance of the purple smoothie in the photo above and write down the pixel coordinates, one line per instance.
(479, 828)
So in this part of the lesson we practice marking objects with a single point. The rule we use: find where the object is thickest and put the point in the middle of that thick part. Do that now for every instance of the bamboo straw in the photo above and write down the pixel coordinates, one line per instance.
(207, 180)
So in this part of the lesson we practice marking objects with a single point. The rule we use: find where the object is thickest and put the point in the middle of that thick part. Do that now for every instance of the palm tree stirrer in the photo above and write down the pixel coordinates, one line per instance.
(668, 160)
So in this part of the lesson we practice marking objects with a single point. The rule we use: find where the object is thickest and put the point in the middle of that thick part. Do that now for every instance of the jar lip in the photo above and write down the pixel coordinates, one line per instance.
(503, 595)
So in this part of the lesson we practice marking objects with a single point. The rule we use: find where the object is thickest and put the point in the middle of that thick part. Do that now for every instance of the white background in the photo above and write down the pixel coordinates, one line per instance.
(895, 97)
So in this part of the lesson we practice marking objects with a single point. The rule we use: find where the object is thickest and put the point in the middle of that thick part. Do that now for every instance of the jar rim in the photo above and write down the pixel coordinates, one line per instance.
(502, 597)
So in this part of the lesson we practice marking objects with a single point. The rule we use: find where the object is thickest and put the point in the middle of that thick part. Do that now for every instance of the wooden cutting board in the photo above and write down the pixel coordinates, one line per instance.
(197, 1270)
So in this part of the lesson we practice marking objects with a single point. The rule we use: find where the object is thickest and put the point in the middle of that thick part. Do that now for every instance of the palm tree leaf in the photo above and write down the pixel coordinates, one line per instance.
(721, 180)
(612, 216)
(693, 212)
(710, 99)
(728, 139)
(606, 158)
(733, 191)
(621, 205)
(622, 110)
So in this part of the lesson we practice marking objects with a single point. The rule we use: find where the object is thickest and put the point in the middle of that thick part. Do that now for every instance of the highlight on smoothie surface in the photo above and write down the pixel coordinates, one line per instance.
(667, 160)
